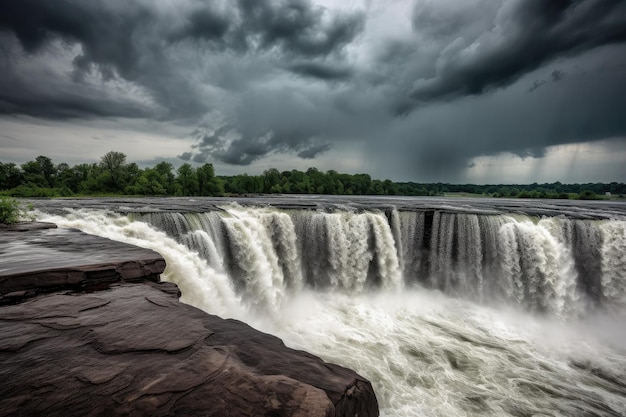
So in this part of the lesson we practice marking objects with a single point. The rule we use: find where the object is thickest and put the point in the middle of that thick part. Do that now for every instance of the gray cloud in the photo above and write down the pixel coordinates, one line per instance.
(314, 150)
(297, 27)
(116, 39)
(555, 77)
(141, 43)
(40, 89)
(185, 156)
(525, 34)
(293, 27)
(252, 79)
(228, 145)
(580, 109)
(205, 23)
(321, 71)
(443, 21)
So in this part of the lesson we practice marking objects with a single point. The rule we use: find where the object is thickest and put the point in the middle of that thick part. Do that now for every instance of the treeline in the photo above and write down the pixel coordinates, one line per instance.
(556, 190)
(113, 175)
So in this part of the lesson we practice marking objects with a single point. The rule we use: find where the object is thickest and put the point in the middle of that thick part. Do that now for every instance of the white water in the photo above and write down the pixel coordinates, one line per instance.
(427, 354)
(614, 262)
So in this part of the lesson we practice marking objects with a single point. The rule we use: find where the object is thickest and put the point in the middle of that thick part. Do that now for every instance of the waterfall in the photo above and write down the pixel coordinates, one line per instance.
(551, 265)
(456, 254)
(613, 255)
(495, 283)
(538, 266)
(587, 241)
(411, 246)
(427, 304)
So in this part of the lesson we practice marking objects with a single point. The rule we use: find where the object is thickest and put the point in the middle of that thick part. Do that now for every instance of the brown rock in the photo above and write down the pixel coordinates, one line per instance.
(135, 350)
(44, 259)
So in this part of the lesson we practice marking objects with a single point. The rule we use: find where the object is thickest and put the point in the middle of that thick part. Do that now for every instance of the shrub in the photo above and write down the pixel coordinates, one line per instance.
(589, 195)
(9, 211)
(31, 190)
(64, 191)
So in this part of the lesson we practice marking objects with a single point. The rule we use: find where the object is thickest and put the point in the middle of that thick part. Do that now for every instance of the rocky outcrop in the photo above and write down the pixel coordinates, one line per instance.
(38, 257)
(131, 349)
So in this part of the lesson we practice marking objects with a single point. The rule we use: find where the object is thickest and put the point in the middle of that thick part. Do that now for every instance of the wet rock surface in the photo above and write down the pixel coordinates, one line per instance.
(38, 257)
(121, 349)
(135, 350)
(573, 209)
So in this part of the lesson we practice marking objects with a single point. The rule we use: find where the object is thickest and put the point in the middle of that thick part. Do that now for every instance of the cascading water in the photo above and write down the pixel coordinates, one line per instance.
(613, 264)
(372, 290)
(456, 254)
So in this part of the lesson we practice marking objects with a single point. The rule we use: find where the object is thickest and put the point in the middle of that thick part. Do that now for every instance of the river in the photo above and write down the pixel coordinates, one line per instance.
(451, 307)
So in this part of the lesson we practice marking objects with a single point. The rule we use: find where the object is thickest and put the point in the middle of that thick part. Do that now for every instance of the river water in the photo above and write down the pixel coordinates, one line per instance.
(450, 307)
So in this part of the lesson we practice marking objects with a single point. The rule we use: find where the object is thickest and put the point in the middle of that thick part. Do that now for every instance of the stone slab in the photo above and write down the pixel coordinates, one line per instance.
(133, 349)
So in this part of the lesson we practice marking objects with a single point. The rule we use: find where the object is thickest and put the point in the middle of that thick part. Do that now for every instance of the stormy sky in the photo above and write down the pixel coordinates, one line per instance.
(479, 91)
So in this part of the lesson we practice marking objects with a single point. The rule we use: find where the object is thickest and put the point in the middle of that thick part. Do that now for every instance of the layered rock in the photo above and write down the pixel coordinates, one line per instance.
(38, 257)
(133, 349)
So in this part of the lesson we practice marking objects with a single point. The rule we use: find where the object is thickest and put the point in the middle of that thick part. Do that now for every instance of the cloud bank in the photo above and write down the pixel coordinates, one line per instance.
(420, 87)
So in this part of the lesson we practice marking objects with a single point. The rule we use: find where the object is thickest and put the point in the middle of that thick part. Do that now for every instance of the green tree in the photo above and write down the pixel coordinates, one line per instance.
(94, 179)
(208, 183)
(33, 174)
(48, 170)
(376, 188)
(271, 178)
(150, 182)
(390, 188)
(187, 180)
(63, 180)
(167, 178)
(10, 175)
(131, 173)
(362, 183)
(112, 165)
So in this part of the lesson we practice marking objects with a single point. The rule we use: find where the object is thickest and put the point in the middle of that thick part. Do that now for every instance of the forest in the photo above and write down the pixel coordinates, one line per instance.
(113, 175)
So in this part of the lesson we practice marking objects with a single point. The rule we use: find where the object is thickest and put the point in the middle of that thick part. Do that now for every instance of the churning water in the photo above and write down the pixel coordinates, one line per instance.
(447, 313)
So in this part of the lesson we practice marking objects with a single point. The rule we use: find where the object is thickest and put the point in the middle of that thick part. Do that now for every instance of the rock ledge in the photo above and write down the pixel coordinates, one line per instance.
(39, 257)
(90, 343)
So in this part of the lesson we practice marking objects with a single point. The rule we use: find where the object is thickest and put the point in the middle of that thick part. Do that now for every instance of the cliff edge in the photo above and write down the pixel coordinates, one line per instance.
(87, 330)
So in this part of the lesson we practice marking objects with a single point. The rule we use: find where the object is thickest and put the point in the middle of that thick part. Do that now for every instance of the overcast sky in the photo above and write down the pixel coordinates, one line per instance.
(479, 91)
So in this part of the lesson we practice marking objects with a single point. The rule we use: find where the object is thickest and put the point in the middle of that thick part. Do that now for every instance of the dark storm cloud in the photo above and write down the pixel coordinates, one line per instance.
(228, 145)
(441, 22)
(254, 78)
(555, 76)
(314, 150)
(525, 35)
(20, 89)
(321, 71)
(138, 44)
(116, 38)
(105, 30)
(66, 106)
(295, 27)
(205, 23)
(577, 109)
(185, 156)
(200, 158)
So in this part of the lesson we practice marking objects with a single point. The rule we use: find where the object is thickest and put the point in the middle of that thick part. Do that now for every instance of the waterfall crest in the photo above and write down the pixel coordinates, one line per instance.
(551, 265)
